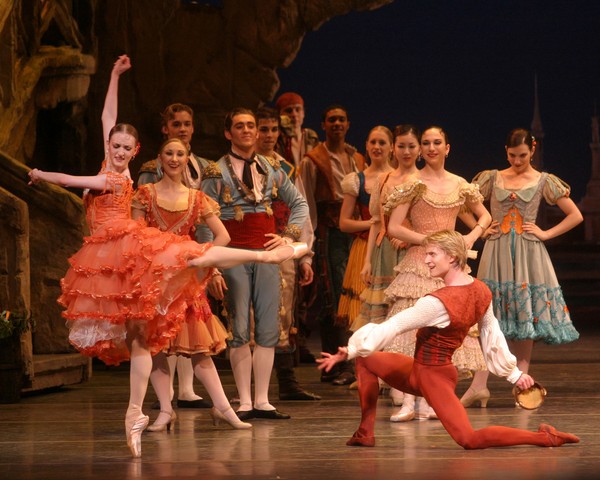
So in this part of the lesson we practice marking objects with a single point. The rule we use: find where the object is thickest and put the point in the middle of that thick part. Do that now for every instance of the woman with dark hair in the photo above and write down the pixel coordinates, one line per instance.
(515, 264)
(383, 251)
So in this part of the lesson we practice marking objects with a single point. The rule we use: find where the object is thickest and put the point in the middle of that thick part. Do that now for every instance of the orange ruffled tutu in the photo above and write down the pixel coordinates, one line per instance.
(128, 275)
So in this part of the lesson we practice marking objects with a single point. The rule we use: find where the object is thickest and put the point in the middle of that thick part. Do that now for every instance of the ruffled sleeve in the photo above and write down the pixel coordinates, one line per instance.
(206, 207)
(141, 198)
(470, 192)
(555, 189)
(485, 180)
(404, 193)
(351, 184)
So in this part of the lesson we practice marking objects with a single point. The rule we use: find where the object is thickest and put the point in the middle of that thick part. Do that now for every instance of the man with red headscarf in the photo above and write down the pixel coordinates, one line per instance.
(293, 143)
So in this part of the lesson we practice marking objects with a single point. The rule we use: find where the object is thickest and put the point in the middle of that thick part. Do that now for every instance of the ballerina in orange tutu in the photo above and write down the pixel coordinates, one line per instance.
(126, 291)
(171, 206)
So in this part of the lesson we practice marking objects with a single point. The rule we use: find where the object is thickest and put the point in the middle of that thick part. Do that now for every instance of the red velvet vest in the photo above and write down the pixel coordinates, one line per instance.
(466, 305)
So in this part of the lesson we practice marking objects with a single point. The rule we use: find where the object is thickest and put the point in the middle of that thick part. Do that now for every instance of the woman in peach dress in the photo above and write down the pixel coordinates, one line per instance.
(431, 201)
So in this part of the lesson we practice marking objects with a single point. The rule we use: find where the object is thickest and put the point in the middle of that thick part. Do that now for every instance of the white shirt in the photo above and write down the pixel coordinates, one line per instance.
(429, 311)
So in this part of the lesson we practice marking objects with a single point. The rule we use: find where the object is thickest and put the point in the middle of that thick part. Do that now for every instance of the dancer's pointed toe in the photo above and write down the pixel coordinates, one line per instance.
(133, 433)
(285, 252)
(556, 437)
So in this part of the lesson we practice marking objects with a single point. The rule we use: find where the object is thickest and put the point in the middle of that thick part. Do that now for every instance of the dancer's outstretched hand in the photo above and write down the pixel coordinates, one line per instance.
(327, 360)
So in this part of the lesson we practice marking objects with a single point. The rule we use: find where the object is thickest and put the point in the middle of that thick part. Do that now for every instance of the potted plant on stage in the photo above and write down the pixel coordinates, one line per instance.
(13, 324)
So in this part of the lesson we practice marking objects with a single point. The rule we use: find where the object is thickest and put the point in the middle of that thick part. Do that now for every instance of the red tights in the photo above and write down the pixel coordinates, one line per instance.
(437, 384)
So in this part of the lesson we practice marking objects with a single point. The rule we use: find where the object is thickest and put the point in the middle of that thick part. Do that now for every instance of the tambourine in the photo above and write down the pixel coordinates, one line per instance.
(531, 398)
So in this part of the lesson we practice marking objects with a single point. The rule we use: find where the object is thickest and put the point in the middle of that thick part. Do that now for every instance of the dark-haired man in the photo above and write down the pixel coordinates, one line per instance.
(244, 183)
(322, 170)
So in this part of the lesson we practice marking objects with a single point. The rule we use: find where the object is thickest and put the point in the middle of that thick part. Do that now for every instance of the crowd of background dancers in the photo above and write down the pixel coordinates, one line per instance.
(365, 247)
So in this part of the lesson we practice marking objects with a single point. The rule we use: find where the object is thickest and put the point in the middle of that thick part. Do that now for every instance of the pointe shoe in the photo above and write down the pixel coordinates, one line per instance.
(134, 434)
(286, 252)
(229, 417)
(360, 441)
(470, 397)
(162, 426)
(557, 438)
(426, 413)
(423, 410)
(407, 412)
(403, 415)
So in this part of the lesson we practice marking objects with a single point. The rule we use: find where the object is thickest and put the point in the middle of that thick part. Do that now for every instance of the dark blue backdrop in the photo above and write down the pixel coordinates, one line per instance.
(466, 65)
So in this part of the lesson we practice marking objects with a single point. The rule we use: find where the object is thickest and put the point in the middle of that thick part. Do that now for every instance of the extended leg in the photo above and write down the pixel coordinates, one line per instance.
(225, 257)
(437, 385)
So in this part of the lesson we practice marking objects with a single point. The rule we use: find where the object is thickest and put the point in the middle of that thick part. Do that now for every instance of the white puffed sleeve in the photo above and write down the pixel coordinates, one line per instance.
(497, 356)
(351, 184)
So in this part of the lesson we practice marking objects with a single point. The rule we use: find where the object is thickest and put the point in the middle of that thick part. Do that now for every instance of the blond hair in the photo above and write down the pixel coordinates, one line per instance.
(451, 243)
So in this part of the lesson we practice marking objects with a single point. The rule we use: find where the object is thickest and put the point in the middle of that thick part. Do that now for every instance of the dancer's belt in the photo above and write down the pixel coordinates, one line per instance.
(250, 231)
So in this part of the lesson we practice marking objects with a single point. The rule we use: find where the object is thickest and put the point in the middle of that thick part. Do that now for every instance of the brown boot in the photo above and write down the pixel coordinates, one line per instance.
(289, 388)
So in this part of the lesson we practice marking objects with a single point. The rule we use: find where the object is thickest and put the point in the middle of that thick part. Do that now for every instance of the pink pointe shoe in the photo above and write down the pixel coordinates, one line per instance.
(285, 252)
(133, 432)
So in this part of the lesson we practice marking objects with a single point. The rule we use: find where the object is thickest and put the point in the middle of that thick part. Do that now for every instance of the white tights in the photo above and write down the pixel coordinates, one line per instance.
(243, 362)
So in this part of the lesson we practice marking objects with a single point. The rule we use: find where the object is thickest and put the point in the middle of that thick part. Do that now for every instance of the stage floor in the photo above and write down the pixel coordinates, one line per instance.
(77, 432)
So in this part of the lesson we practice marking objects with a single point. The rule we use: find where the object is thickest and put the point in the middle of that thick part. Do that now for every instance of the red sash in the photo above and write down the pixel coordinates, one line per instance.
(250, 231)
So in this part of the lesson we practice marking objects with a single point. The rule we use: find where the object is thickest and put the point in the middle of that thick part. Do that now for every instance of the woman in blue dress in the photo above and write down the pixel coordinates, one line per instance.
(515, 264)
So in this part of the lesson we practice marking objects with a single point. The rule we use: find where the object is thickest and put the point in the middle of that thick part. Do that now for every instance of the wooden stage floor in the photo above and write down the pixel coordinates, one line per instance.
(77, 433)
